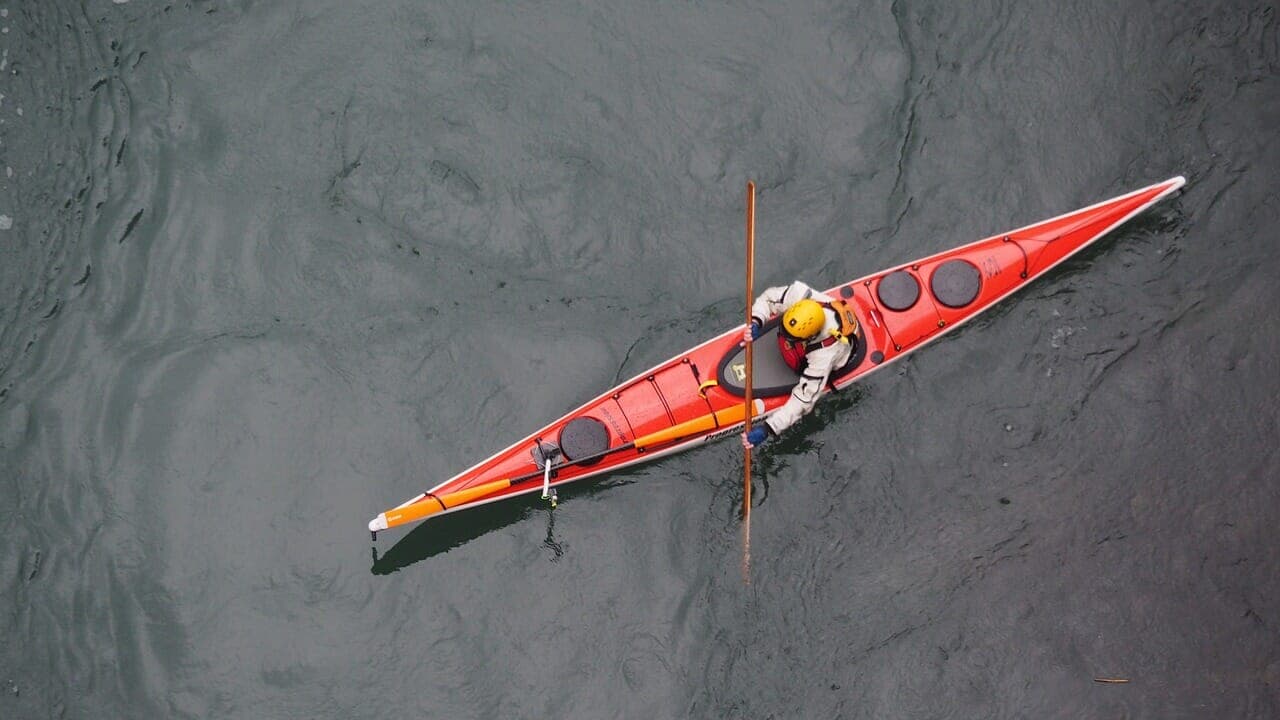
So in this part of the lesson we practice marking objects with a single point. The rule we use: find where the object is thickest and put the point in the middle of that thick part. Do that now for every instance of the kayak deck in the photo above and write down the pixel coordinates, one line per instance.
(691, 398)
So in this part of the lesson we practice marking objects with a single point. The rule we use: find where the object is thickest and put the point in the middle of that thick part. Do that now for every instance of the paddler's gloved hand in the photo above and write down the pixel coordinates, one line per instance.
(751, 331)
(758, 434)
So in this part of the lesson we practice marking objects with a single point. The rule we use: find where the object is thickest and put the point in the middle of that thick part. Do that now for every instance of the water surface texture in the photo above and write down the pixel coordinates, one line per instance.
(267, 268)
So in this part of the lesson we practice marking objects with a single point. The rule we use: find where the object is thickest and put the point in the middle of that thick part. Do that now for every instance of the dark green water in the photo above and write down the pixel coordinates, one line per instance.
(267, 268)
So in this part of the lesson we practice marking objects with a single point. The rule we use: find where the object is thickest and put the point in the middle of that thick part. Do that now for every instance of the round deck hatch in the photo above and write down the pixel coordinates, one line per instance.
(583, 437)
(955, 283)
(898, 290)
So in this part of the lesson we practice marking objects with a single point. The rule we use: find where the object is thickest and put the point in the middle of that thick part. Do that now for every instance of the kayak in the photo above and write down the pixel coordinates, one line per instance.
(697, 397)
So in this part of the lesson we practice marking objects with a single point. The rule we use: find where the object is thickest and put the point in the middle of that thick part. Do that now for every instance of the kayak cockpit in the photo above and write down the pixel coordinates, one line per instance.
(772, 377)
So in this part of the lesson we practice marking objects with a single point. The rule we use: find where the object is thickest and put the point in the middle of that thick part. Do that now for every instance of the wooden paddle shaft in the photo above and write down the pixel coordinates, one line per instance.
(751, 278)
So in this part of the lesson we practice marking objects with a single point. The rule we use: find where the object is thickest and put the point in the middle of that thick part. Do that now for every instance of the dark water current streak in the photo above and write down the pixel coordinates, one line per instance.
(272, 266)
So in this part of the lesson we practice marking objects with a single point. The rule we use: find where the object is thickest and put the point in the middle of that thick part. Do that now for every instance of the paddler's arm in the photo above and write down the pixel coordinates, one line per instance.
(806, 392)
(776, 299)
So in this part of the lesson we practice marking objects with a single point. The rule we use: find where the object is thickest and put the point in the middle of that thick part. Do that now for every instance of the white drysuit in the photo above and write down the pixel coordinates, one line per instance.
(820, 362)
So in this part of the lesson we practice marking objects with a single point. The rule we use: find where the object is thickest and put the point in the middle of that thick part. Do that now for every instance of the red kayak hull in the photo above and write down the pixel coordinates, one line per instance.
(901, 309)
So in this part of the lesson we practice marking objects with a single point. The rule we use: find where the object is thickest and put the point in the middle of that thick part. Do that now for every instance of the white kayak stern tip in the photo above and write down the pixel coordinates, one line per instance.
(378, 523)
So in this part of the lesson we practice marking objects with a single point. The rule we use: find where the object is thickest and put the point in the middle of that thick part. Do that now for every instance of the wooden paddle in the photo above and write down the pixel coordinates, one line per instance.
(751, 276)
(746, 393)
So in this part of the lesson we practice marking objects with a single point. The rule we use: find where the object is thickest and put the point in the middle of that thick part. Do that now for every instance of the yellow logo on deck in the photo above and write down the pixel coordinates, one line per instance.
(739, 371)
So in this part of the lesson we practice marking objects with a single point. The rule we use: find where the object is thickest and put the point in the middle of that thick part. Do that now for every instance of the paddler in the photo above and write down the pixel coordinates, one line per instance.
(817, 335)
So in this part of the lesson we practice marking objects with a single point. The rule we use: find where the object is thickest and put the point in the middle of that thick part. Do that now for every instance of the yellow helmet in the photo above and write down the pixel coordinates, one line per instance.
(804, 320)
